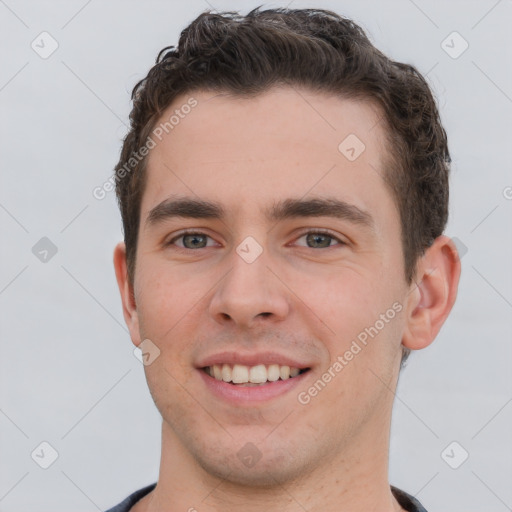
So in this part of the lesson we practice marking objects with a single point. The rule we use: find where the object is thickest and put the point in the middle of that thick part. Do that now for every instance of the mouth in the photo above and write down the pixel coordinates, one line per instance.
(250, 376)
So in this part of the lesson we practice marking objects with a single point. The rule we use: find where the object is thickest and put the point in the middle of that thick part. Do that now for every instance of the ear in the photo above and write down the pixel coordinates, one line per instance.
(127, 296)
(433, 293)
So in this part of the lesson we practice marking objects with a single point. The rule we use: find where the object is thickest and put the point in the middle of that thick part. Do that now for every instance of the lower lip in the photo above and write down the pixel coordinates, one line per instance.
(250, 394)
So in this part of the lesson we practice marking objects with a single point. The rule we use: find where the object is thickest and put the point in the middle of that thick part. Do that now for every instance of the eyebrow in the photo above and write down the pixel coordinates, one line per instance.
(192, 208)
(320, 207)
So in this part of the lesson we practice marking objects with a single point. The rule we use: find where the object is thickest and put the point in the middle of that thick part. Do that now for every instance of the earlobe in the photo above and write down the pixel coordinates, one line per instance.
(433, 294)
(126, 290)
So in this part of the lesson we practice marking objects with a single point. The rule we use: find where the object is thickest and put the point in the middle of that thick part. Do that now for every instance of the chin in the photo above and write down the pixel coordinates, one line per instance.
(264, 474)
(266, 464)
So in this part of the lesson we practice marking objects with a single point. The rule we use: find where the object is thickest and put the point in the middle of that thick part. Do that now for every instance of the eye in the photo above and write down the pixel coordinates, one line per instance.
(320, 239)
(192, 240)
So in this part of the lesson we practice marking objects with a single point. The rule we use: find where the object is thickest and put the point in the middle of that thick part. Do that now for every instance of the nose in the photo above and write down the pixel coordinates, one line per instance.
(250, 293)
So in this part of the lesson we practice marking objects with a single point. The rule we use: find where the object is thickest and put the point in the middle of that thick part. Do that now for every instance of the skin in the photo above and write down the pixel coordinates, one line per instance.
(308, 302)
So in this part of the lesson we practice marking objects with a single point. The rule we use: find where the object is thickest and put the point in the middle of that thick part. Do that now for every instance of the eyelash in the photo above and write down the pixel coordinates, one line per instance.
(323, 232)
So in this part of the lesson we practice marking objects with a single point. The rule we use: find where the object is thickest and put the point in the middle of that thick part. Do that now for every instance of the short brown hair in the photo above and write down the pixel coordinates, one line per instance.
(323, 52)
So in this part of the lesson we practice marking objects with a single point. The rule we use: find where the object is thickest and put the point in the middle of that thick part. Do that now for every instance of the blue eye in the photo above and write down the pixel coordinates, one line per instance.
(320, 239)
(312, 240)
(192, 241)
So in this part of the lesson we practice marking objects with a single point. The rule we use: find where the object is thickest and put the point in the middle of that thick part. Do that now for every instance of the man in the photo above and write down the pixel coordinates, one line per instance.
(284, 190)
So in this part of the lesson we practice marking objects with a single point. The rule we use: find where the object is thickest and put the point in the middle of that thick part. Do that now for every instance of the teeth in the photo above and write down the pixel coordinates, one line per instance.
(226, 373)
(294, 372)
(240, 374)
(259, 374)
(217, 372)
(273, 372)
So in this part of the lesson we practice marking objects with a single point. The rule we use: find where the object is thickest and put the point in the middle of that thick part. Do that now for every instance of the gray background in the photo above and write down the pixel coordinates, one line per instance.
(68, 373)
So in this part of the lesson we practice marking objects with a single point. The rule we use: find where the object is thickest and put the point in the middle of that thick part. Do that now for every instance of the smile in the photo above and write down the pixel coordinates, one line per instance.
(257, 375)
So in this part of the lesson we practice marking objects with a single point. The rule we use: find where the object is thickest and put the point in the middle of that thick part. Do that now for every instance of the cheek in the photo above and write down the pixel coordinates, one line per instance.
(347, 301)
(367, 321)
(166, 299)
(364, 320)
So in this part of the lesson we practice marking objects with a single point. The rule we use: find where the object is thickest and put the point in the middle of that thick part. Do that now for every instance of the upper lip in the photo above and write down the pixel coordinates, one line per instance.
(252, 359)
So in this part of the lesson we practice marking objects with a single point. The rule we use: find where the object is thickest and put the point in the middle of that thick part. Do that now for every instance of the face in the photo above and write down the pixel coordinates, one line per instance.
(270, 253)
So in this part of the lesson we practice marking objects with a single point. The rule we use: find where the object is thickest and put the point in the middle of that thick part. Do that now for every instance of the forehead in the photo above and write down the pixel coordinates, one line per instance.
(249, 151)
